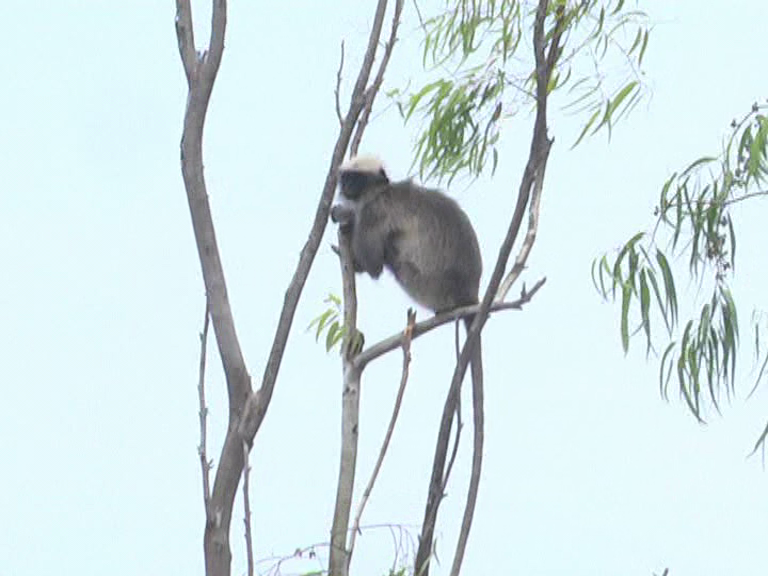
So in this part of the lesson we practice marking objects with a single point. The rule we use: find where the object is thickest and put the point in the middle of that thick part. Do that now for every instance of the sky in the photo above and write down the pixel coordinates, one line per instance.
(587, 471)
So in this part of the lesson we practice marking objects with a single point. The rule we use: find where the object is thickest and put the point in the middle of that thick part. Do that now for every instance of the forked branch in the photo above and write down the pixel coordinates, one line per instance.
(534, 171)
(361, 102)
(407, 339)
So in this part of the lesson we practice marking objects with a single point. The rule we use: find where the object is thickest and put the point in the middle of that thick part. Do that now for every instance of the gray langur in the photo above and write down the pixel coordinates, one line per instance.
(427, 241)
(422, 236)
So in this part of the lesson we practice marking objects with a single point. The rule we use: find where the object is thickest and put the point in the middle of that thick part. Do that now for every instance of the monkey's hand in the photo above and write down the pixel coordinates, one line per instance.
(343, 216)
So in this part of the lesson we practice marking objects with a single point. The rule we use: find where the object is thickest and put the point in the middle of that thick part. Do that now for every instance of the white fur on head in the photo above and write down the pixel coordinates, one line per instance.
(364, 163)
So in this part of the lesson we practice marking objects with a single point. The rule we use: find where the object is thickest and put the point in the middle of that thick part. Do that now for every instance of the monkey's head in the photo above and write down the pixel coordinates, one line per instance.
(359, 175)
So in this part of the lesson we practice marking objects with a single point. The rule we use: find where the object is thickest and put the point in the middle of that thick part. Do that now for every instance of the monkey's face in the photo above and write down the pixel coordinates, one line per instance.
(355, 184)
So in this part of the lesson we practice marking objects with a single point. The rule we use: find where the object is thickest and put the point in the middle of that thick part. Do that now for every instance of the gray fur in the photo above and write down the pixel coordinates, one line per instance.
(421, 235)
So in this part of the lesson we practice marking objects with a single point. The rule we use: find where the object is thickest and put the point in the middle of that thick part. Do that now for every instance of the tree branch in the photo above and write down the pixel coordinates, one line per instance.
(407, 338)
(201, 73)
(205, 465)
(338, 87)
(258, 403)
(370, 94)
(247, 509)
(534, 170)
(339, 556)
(530, 239)
(185, 35)
(421, 328)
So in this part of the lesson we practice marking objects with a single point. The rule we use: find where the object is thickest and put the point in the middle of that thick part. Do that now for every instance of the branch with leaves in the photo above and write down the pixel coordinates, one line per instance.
(694, 221)
(477, 52)
(547, 49)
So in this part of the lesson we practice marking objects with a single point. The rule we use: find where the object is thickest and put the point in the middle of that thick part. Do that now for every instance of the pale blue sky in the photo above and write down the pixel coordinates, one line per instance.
(587, 471)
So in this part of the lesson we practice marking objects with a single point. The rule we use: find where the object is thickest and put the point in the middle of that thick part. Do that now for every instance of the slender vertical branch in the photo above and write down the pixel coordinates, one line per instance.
(338, 87)
(247, 509)
(361, 102)
(408, 337)
(370, 93)
(339, 556)
(534, 170)
(528, 242)
(201, 70)
(255, 409)
(205, 464)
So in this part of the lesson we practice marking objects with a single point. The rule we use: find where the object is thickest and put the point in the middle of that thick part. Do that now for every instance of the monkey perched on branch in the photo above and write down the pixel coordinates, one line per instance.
(421, 235)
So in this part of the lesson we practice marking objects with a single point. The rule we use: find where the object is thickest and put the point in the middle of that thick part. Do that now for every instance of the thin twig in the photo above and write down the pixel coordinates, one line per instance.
(743, 197)
(185, 34)
(338, 86)
(456, 441)
(205, 465)
(530, 238)
(247, 509)
(407, 338)
(370, 93)
(256, 405)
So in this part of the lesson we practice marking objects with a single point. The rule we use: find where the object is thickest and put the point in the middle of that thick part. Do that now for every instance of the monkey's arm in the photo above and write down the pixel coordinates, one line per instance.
(369, 242)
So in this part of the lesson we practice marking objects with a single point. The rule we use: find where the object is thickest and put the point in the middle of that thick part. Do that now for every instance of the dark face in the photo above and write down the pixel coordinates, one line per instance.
(354, 184)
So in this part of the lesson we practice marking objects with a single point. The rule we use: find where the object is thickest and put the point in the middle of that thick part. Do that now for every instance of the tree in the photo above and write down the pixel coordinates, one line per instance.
(478, 94)
(695, 222)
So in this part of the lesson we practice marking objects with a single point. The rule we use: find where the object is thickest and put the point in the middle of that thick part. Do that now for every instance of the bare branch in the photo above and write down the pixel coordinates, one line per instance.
(370, 94)
(396, 341)
(205, 465)
(407, 338)
(340, 556)
(338, 86)
(455, 451)
(185, 35)
(201, 74)
(216, 45)
(257, 405)
(530, 238)
(247, 509)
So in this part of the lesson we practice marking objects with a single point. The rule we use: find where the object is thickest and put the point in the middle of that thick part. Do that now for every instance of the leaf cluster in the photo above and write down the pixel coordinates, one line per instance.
(485, 74)
(329, 322)
(695, 217)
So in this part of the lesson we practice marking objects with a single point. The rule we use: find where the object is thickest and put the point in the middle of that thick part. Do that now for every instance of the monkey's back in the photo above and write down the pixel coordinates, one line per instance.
(432, 248)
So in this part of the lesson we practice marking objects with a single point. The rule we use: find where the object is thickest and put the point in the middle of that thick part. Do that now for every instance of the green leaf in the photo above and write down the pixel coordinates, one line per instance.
(645, 303)
(669, 285)
(665, 375)
(626, 294)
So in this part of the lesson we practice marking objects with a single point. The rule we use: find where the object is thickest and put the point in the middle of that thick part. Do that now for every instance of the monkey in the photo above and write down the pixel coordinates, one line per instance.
(427, 241)
(421, 235)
